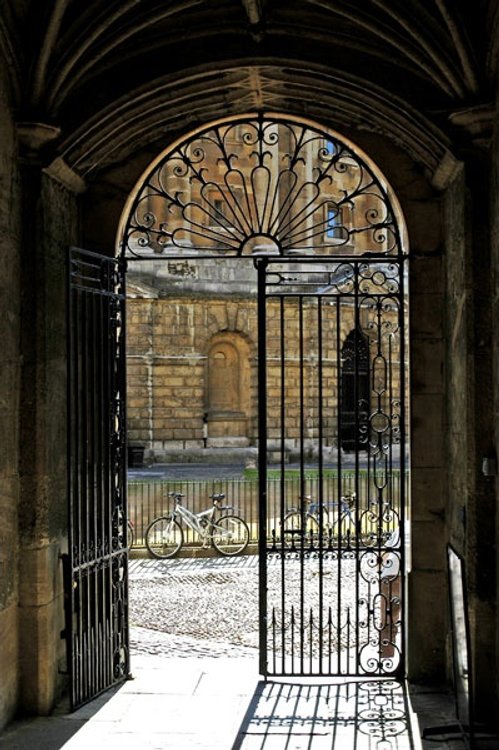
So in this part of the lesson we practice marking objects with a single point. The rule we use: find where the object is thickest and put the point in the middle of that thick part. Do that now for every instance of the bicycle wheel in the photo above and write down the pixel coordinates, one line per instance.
(129, 536)
(164, 537)
(348, 533)
(293, 531)
(230, 535)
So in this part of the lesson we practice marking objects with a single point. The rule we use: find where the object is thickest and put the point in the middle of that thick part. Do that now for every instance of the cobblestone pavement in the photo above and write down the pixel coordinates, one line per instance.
(210, 606)
(186, 607)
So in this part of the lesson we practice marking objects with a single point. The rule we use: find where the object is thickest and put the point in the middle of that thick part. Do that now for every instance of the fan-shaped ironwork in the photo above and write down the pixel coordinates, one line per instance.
(261, 185)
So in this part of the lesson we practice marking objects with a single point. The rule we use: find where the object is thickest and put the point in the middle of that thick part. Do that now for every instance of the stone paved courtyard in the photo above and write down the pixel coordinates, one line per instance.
(194, 607)
(210, 606)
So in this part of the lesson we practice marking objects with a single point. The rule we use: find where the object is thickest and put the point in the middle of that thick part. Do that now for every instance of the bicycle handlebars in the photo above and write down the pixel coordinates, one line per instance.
(216, 497)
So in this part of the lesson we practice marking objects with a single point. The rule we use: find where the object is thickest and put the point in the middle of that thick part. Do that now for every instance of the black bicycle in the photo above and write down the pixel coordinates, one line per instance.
(340, 524)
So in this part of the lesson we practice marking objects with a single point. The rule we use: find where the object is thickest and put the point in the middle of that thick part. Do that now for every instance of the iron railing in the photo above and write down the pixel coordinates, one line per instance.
(149, 499)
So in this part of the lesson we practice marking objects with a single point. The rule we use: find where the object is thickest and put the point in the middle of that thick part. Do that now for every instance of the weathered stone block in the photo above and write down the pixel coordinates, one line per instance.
(427, 611)
(427, 366)
(41, 650)
(426, 313)
(427, 494)
(428, 545)
(9, 655)
(40, 575)
(427, 431)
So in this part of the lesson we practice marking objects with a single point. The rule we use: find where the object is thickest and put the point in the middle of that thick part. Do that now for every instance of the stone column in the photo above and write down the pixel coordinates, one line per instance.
(427, 580)
(9, 408)
(48, 227)
(473, 507)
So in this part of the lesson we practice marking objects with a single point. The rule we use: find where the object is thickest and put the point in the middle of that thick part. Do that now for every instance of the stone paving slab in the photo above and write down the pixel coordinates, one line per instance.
(222, 704)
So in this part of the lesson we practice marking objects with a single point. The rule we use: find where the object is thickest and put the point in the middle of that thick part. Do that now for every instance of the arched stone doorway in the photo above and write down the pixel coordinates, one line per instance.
(227, 390)
(327, 238)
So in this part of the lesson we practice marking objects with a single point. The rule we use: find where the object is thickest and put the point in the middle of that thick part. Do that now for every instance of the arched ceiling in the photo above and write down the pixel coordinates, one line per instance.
(112, 76)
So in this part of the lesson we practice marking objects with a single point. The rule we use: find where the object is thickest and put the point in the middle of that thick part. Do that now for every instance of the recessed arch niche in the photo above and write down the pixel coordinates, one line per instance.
(228, 390)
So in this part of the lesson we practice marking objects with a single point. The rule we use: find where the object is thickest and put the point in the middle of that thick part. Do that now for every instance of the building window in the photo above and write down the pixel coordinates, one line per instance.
(333, 219)
(334, 223)
(355, 392)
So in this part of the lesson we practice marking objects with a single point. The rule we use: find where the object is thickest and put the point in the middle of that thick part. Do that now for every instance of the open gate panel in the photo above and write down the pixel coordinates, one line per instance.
(96, 628)
(333, 382)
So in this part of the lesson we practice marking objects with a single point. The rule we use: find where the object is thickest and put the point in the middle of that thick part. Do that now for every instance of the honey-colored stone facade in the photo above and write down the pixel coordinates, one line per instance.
(193, 361)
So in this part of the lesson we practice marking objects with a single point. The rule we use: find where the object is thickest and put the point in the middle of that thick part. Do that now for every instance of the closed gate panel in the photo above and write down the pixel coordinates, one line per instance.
(96, 565)
(332, 395)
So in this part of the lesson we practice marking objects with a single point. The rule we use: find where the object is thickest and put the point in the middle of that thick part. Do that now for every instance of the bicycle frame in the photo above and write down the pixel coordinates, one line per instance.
(202, 523)
(194, 520)
(342, 508)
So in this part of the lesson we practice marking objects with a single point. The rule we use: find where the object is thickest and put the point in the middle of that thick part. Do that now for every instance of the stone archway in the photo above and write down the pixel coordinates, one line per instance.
(267, 189)
(281, 189)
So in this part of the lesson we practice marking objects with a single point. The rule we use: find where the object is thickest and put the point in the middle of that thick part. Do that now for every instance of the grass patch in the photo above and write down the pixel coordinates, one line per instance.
(295, 473)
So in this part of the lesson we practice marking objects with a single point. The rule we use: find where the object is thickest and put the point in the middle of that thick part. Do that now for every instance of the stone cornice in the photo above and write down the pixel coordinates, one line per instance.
(34, 137)
(477, 121)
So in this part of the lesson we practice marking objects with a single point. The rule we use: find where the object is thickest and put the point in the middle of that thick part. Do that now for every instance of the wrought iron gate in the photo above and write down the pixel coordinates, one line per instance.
(327, 235)
(96, 565)
(332, 560)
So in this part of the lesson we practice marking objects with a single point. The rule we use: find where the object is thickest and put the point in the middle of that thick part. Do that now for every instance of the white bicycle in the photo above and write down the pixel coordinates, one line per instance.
(228, 533)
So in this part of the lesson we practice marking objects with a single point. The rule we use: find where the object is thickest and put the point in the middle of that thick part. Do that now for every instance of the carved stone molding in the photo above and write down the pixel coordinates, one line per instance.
(477, 121)
(63, 173)
(34, 136)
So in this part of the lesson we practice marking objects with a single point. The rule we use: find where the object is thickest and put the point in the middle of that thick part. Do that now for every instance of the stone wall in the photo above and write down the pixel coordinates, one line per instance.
(173, 342)
(494, 271)
(38, 216)
(470, 509)
(9, 403)
(169, 342)
(42, 417)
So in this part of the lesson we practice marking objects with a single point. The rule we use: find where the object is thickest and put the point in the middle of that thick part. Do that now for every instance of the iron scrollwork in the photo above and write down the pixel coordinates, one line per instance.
(260, 185)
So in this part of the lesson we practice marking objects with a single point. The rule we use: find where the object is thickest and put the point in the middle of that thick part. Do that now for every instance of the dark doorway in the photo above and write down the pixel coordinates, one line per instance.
(355, 393)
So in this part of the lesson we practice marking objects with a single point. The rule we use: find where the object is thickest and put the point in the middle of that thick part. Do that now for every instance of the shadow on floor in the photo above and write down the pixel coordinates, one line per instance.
(222, 704)
(344, 716)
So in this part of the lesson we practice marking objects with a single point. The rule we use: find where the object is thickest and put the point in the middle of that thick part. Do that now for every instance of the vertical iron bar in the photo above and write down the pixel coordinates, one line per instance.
(107, 417)
(72, 479)
(302, 480)
(320, 494)
(357, 462)
(121, 267)
(100, 468)
(282, 477)
(337, 510)
(84, 469)
(261, 266)
(402, 502)
(92, 498)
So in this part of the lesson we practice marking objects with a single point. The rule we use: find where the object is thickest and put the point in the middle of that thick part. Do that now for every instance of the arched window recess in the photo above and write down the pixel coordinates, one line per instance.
(261, 185)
